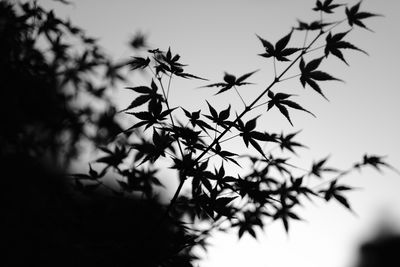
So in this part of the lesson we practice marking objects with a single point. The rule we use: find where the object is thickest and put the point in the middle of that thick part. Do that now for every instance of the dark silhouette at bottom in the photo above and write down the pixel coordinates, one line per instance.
(383, 251)
(44, 223)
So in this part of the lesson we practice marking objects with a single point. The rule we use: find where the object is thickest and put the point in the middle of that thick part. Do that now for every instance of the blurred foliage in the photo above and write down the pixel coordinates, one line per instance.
(55, 103)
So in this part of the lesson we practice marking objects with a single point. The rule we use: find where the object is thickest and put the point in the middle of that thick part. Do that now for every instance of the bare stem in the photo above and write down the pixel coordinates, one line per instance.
(337, 177)
(227, 139)
(241, 98)
(259, 105)
(316, 48)
(335, 25)
(169, 84)
(290, 77)
(305, 39)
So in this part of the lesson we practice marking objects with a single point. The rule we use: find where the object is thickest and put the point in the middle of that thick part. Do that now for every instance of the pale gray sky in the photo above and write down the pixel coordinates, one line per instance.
(362, 115)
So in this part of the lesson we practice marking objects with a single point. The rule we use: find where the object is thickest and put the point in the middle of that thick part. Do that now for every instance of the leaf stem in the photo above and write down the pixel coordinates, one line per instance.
(335, 25)
(259, 105)
(227, 139)
(290, 77)
(169, 85)
(337, 177)
(173, 200)
(305, 39)
(241, 98)
(182, 181)
(170, 115)
(316, 48)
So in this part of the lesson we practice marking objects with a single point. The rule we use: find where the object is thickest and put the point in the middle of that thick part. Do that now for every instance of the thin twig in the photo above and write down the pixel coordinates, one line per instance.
(227, 139)
(241, 98)
(169, 85)
(291, 77)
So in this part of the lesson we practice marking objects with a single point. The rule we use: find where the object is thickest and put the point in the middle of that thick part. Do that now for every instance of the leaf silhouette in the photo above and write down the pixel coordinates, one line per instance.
(312, 26)
(319, 167)
(138, 63)
(152, 151)
(194, 118)
(375, 162)
(309, 75)
(231, 81)
(334, 191)
(334, 43)
(113, 158)
(286, 142)
(225, 155)
(167, 62)
(280, 52)
(149, 118)
(280, 100)
(221, 118)
(326, 6)
(250, 136)
(354, 16)
(148, 95)
(285, 214)
(222, 207)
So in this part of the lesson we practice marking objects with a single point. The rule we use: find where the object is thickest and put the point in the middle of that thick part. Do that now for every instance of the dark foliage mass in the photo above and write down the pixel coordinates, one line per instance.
(382, 250)
(54, 98)
(56, 86)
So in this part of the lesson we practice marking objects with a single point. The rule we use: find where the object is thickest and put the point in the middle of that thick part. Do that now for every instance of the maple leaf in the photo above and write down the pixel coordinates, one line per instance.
(190, 138)
(222, 207)
(113, 158)
(354, 16)
(148, 118)
(279, 51)
(326, 6)
(312, 26)
(286, 142)
(309, 75)
(152, 151)
(375, 162)
(250, 221)
(249, 135)
(334, 191)
(278, 163)
(231, 81)
(138, 63)
(93, 174)
(221, 118)
(334, 43)
(281, 101)
(285, 214)
(147, 95)
(167, 62)
(225, 155)
(194, 118)
(319, 167)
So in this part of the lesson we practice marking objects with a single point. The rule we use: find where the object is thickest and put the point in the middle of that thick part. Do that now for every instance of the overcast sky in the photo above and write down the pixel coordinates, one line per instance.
(361, 116)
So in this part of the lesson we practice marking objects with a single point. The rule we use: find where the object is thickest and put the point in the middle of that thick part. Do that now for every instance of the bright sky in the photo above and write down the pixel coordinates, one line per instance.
(217, 36)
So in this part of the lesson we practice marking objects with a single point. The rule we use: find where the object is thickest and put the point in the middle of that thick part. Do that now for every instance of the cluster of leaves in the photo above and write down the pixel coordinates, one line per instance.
(195, 150)
(191, 142)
